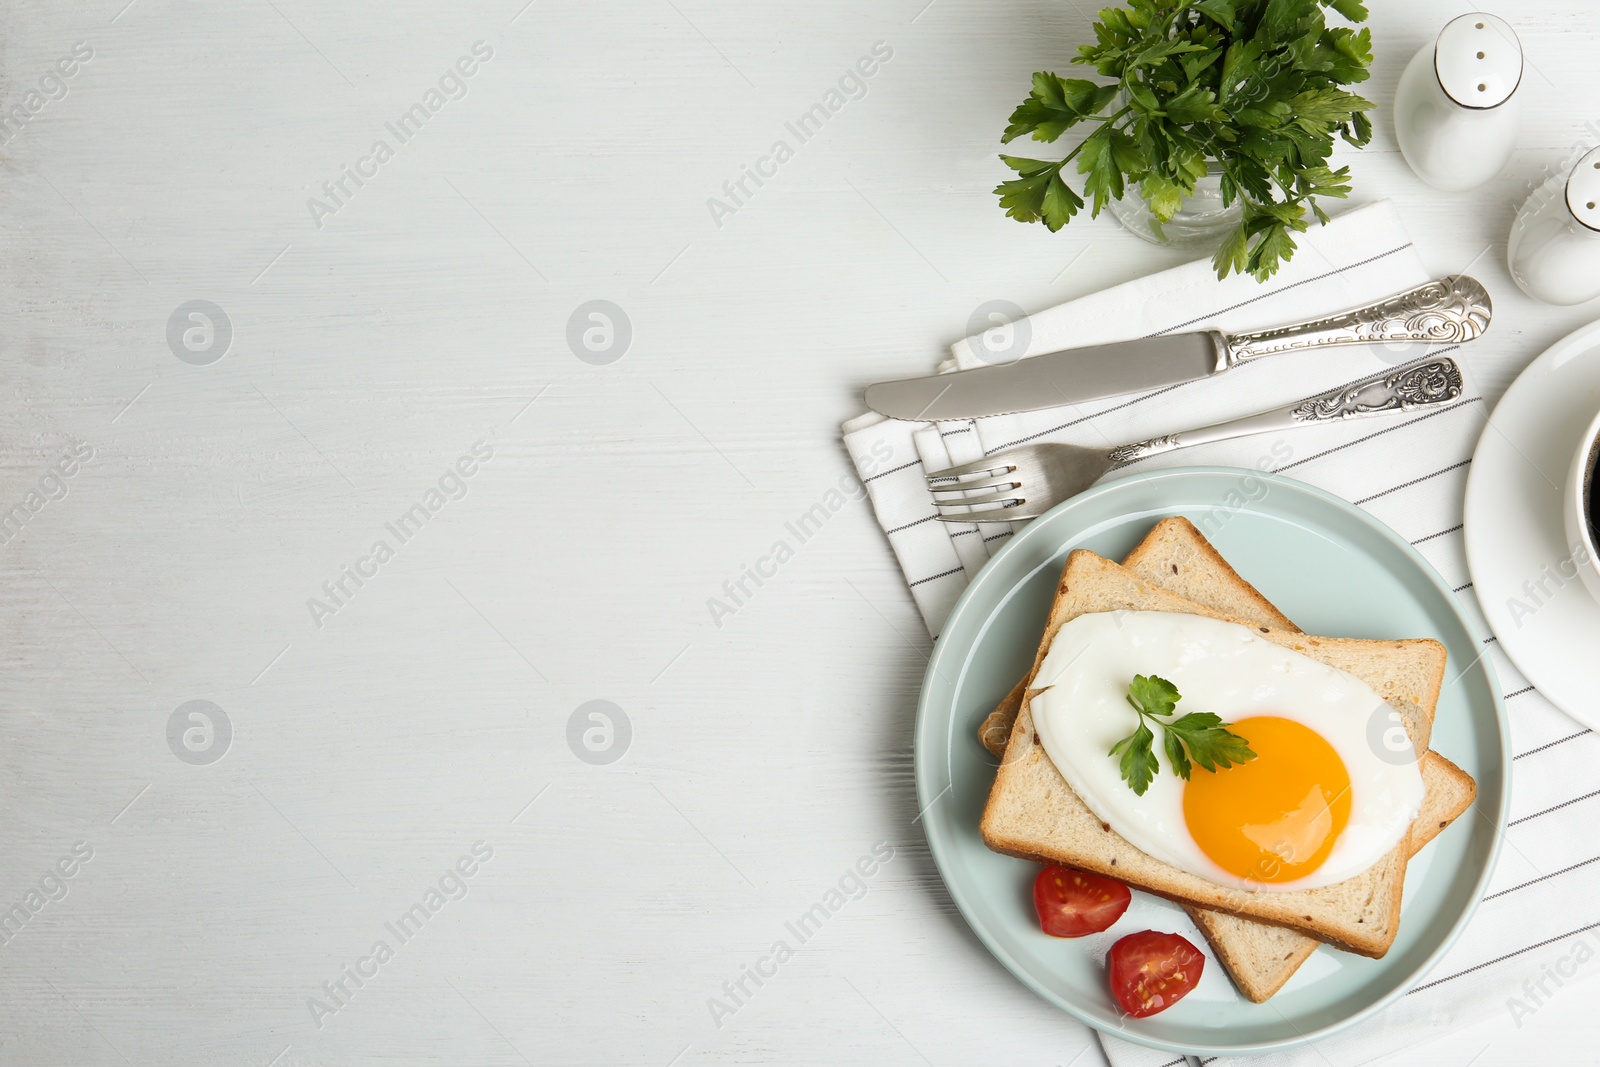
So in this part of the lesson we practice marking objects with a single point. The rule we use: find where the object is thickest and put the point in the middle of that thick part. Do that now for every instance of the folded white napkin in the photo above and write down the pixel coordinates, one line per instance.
(1538, 929)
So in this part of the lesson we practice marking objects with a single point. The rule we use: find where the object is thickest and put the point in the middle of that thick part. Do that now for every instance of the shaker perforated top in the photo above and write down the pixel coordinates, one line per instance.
(1583, 190)
(1479, 60)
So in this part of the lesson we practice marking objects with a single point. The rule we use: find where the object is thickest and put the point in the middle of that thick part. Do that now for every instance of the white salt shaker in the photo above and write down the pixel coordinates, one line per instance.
(1455, 111)
(1554, 251)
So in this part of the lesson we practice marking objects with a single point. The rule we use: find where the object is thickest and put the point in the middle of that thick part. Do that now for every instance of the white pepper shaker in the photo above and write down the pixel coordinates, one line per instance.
(1554, 251)
(1455, 111)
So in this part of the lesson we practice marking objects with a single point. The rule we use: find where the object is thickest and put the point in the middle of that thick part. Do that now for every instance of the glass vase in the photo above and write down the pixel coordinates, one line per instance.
(1200, 223)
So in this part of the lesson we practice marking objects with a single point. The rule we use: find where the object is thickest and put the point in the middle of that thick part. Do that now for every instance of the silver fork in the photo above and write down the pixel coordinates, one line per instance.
(1026, 482)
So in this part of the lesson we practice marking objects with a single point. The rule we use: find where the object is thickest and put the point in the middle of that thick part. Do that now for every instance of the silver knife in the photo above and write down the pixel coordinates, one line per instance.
(1450, 310)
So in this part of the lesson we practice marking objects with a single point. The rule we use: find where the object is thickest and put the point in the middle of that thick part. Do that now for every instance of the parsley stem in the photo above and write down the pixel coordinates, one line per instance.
(1103, 124)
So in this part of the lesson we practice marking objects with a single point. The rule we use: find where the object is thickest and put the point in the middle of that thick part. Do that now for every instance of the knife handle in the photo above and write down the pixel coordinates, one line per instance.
(1434, 384)
(1449, 310)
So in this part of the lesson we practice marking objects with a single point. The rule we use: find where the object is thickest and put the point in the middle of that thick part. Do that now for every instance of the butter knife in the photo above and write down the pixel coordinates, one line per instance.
(1449, 310)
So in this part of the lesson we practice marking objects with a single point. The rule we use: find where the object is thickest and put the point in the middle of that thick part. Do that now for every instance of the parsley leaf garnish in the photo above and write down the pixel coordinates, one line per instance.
(1198, 736)
(1138, 761)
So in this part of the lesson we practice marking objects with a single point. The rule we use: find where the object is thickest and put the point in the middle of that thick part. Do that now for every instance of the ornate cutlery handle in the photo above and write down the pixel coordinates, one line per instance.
(1434, 384)
(1449, 310)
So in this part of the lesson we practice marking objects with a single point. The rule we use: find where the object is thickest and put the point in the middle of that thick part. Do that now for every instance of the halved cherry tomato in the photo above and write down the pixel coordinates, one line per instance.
(1152, 971)
(1074, 903)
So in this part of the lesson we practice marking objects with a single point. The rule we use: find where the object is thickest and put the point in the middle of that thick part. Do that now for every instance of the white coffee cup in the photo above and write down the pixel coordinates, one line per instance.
(1579, 501)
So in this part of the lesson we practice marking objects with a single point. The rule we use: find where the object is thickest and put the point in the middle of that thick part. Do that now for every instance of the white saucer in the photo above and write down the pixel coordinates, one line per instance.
(1522, 569)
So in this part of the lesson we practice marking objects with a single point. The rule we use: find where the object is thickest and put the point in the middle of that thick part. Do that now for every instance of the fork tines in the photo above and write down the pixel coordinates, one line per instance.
(981, 484)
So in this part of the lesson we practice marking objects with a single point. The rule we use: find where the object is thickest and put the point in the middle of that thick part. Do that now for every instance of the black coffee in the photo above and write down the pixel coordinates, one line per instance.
(1591, 500)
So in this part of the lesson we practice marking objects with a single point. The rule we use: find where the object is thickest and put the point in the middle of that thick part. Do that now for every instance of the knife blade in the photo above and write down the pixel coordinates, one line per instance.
(1053, 380)
(1450, 310)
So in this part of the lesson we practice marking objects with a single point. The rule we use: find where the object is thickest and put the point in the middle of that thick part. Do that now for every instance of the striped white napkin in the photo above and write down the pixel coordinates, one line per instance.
(1538, 929)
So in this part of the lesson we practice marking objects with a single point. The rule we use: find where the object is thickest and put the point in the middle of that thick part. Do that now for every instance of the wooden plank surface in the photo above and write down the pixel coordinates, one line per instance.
(380, 337)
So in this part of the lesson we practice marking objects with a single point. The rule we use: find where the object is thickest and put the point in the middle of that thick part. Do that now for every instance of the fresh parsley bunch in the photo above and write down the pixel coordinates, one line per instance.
(1256, 85)
(1205, 736)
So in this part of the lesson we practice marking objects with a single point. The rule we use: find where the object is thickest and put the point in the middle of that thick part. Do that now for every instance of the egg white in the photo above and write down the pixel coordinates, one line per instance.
(1227, 669)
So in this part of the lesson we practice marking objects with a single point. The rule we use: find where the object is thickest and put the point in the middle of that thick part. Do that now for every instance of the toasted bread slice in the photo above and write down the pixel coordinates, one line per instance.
(1175, 555)
(1034, 814)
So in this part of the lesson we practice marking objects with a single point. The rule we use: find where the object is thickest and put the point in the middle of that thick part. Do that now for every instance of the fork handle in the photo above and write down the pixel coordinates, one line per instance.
(1434, 384)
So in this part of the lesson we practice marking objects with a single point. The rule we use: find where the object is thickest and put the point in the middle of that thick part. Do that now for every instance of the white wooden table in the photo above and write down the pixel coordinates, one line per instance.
(372, 341)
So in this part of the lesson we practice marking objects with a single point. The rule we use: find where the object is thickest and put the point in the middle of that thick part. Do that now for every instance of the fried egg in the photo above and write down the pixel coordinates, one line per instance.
(1318, 805)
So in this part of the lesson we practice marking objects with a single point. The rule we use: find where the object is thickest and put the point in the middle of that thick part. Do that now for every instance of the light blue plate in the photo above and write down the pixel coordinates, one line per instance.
(1334, 570)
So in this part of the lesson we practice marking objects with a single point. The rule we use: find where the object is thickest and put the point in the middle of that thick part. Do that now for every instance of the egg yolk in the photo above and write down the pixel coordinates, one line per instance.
(1276, 817)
